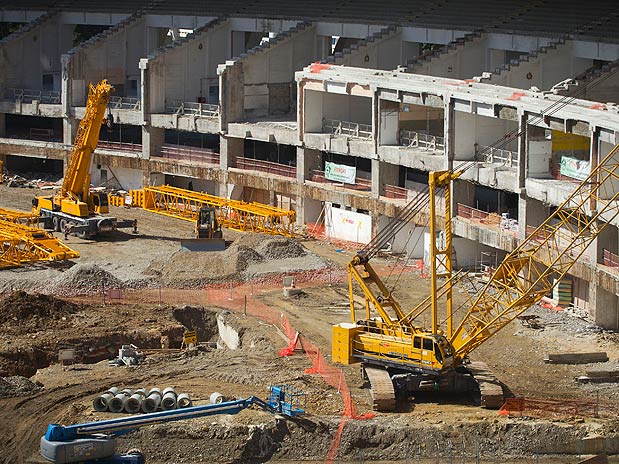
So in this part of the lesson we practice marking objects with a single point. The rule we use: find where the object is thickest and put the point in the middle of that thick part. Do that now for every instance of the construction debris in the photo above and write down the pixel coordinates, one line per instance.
(128, 355)
(599, 377)
(576, 358)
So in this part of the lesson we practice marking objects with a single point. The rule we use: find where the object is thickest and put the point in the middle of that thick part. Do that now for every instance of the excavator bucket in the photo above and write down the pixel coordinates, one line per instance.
(203, 244)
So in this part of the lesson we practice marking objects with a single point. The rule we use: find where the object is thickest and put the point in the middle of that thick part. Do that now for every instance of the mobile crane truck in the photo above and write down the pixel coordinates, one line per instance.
(74, 206)
(399, 356)
(94, 442)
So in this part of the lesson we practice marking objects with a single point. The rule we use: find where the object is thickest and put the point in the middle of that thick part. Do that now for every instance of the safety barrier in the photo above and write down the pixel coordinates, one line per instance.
(266, 166)
(188, 153)
(427, 142)
(360, 182)
(347, 129)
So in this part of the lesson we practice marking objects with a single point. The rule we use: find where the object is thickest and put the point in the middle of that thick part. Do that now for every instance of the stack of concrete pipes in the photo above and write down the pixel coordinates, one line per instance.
(128, 400)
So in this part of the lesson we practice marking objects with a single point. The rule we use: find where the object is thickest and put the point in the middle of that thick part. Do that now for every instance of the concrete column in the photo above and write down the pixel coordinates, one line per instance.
(449, 130)
(2, 125)
(231, 93)
(376, 184)
(66, 89)
(522, 151)
(152, 140)
(229, 149)
(69, 129)
(605, 308)
(307, 161)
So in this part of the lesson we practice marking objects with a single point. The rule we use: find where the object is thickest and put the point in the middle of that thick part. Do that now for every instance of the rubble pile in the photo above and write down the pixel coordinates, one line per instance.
(17, 386)
(86, 277)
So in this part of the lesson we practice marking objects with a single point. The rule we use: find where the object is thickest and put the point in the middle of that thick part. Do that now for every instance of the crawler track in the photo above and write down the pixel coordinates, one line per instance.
(382, 391)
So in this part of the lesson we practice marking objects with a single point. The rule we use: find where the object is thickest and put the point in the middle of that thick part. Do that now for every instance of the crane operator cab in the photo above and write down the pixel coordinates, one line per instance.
(100, 204)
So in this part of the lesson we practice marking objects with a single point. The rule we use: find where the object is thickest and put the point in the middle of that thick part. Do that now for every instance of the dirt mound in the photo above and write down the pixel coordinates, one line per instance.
(250, 255)
(22, 306)
(17, 386)
(87, 276)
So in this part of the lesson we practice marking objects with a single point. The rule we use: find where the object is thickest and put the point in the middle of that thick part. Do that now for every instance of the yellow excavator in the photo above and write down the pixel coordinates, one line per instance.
(400, 356)
(75, 206)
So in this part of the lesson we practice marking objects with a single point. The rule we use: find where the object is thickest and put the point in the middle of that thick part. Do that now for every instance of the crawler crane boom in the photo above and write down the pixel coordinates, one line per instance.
(393, 346)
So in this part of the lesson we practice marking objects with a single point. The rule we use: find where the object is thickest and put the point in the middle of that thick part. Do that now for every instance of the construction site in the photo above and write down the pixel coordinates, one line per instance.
(249, 232)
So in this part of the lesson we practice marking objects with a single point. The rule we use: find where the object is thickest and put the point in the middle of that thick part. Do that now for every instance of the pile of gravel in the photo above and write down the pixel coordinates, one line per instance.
(86, 276)
(280, 248)
(18, 386)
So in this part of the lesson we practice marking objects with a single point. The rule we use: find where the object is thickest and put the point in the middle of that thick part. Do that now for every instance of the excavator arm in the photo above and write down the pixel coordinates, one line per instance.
(530, 271)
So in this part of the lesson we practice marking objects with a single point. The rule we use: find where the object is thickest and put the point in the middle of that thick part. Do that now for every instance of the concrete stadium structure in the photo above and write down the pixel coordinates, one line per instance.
(258, 96)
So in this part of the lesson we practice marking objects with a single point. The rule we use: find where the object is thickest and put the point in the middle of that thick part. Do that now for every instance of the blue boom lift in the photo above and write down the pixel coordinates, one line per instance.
(95, 442)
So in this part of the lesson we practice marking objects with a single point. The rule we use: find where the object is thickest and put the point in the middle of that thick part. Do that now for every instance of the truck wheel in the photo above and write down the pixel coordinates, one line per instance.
(63, 225)
(56, 224)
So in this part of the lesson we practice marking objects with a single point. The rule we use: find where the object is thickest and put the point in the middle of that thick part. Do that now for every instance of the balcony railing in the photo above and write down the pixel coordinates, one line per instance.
(266, 166)
(51, 97)
(360, 183)
(205, 110)
(124, 103)
(395, 192)
(426, 142)
(494, 220)
(496, 156)
(347, 129)
(610, 259)
(188, 153)
(120, 146)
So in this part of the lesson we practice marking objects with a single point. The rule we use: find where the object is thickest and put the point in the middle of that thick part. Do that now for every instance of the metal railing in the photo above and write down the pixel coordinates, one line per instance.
(120, 146)
(496, 156)
(395, 192)
(206, 110)
(266, 166)
(347, 129)
(360, 183)
(188, 153)
(124, 103)
(609, 259)
(51, 97)
(421, 140)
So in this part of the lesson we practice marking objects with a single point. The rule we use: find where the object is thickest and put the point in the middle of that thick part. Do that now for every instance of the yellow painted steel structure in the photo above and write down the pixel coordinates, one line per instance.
(20, 217)
(21, 244)
(525, 276)
(232, 214)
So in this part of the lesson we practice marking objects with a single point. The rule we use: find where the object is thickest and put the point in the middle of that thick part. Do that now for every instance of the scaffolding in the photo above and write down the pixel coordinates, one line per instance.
(22, 244)
(232, 214)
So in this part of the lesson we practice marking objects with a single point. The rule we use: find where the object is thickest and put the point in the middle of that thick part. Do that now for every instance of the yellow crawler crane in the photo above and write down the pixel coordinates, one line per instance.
(232, 214)
(23, 244)
(399, 356)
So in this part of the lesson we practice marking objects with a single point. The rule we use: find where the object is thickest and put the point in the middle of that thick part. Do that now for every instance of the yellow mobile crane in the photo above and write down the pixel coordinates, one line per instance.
(75, 206)
(399, 356)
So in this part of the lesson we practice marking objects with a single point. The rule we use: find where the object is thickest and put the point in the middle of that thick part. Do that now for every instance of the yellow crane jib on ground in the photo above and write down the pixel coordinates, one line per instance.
(20, 217)
(399, 355)
(232, 214)
(23, 244)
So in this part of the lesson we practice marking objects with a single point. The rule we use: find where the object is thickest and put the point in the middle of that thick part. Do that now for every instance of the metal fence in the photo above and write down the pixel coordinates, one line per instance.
(266, 166)
(124, 103)
(120, 146)
(610, 259)
(188, 153)
(360, 183)
(347, 129)
(497, 156)
(421, 140)
(206, 110)
(51, 97)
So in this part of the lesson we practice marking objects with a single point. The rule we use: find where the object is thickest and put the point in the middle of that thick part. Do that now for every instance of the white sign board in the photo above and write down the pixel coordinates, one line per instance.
(340, 173)
(347, 225)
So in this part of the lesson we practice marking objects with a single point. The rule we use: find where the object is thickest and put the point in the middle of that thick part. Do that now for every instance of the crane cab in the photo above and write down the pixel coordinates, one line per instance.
(99, 203)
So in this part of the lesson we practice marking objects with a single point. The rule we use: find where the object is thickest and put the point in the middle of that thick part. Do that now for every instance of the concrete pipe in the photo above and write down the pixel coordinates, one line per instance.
(183, 400)
(151, 403)
(155, 391)
(168, 390)
(127, 391)
(100, 403)
(168, 401)
(117, 404)
(113, 390)
(133, 403)
(141, 391)
(216, 398)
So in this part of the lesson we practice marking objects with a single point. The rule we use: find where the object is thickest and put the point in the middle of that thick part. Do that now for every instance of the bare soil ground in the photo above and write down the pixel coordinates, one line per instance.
(34, 327)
